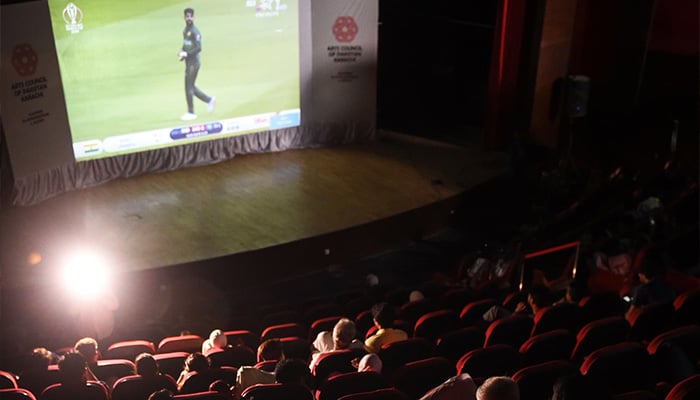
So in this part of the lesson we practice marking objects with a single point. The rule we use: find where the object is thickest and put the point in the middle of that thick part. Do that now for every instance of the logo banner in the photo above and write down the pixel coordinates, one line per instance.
(344, 38)
(31, 96)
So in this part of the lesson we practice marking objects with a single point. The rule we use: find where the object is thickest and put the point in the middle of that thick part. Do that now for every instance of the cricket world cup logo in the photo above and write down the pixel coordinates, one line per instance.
(73, 17)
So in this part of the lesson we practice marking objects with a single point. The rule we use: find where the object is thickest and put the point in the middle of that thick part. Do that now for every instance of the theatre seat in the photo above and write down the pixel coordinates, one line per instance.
(205, 395)
(415, 378)
(536, 381)
(620, 368)
(394, 355)
(348, 383)
(91, 391)
(322, 324)
(135, 387)
(7, 380)
(687, 389)
(561, 316)
(687, 308)
(381, 394)
(433, 324)
(231, 356)
(171, 363)
(277, 391)
(598, 334)
(291, 329)
(339, 361)
(512, 330)
(244, 337)
(16, 394)
(453, 344)
(184, 343)
(548, 346)
(496, 360)
(651, 320)
(474, 311)
(129, 349)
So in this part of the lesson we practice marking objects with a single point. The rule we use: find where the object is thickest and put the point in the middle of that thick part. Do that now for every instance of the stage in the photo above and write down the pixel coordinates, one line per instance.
(396, 188)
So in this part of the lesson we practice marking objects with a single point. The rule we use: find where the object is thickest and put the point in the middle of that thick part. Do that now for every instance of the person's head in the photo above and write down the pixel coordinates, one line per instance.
(292, 371)
(87, 346)
(196, 362)
(370, 362)
(146, 365)
(498, 388)
(271, 349)
(538, 297)
(383, 315)
(72, 367)
(39, 360)
(218, 339)
(343, 334)
(189, 15)
(162, 394)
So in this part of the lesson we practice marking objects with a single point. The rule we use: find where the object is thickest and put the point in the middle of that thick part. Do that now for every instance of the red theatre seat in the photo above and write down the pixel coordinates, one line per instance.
(185, 343)
(129, 349)
(16, 394)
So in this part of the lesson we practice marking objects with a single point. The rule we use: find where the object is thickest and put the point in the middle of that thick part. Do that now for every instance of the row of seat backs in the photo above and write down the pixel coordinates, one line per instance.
(425, 320)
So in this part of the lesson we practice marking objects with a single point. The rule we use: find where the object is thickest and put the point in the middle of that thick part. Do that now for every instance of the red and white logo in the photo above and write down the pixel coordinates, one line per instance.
(345, 29)
(24, 59)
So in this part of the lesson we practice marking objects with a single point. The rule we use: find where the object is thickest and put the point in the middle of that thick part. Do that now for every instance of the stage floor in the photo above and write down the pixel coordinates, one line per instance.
(248, 203)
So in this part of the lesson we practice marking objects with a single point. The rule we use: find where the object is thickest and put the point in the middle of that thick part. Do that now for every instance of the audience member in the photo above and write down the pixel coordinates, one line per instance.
(195, 362)
(460, 387)
(74, 385)
(498, 388)
(88, 348)
(383, 316)
(271, 349)
(147, 367)
(653, 289)
(162, 394)
(36, 377)
(217, 340)
(537, 298)
(342, 338)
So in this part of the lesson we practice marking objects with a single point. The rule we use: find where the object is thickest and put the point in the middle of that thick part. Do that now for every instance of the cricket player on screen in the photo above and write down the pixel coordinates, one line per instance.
(191, 47)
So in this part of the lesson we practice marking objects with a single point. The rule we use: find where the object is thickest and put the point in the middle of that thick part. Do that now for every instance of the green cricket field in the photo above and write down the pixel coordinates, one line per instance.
(121, 72)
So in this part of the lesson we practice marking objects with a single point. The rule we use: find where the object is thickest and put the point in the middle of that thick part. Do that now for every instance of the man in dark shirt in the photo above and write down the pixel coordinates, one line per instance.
(653, 289)
(191, 47)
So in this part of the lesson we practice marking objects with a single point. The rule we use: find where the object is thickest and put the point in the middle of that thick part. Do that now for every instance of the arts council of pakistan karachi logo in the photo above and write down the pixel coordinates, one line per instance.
(73, 17)
(345, 29)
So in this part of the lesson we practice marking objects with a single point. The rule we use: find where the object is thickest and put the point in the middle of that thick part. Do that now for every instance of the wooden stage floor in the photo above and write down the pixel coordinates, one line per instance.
(244, 205)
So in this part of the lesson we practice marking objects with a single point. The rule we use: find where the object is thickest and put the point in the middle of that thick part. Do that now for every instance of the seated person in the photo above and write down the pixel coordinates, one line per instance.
(383, 316)
(271, 349)
(147, 367)
(537, 299)
(342, 338)
(73, 383)
(293, 372)
(87, 347)
(247, 376)
(653, 289)
(195, 364)
(36, 377)
(217, 340)
(498, 388)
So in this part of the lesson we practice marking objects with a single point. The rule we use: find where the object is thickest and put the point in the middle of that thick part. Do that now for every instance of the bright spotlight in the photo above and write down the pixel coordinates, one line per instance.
(85, 274)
